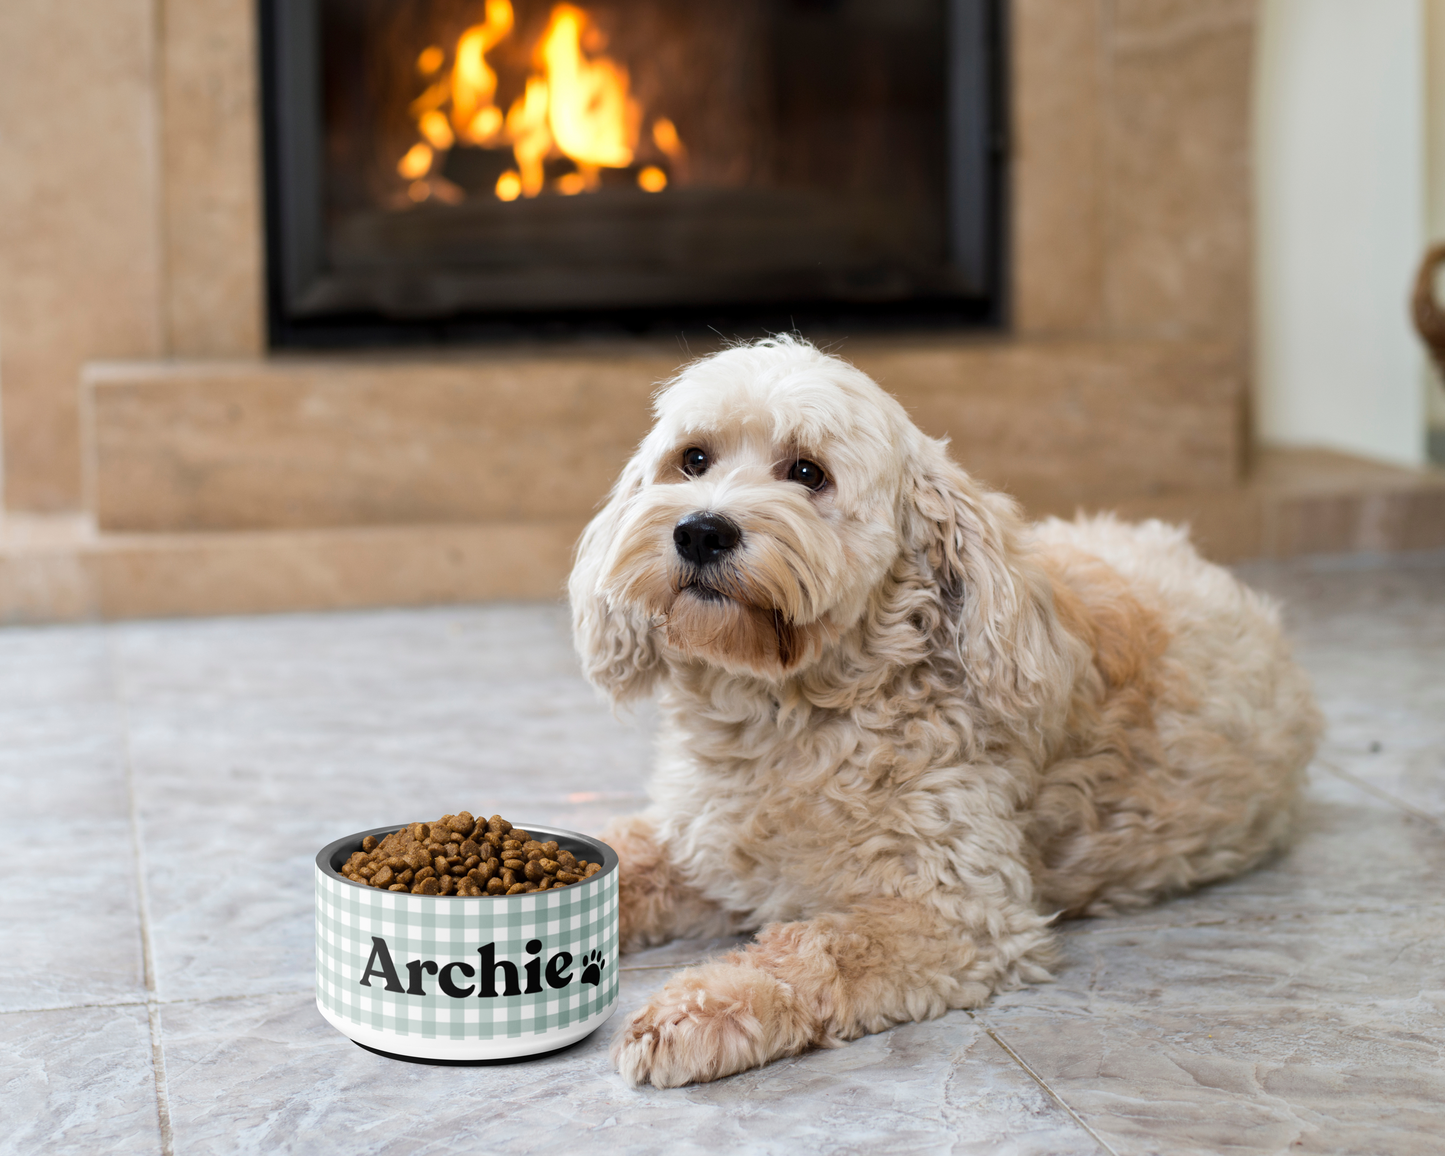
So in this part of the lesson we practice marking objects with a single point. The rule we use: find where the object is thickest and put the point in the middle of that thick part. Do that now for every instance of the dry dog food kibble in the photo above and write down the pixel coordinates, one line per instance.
(460, 855)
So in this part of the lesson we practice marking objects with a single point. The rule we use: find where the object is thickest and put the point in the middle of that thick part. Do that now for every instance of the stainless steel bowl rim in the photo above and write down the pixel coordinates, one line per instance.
(598, 852)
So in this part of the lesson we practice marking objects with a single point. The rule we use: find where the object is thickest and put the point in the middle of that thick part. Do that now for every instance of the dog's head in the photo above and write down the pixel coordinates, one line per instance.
(781, 499)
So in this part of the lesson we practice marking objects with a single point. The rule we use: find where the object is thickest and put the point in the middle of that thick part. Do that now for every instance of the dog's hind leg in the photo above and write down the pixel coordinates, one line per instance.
(655, 903)
(822, 981)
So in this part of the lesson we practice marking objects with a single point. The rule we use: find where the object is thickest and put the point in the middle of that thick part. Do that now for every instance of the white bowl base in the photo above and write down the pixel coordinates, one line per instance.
(509, 1048)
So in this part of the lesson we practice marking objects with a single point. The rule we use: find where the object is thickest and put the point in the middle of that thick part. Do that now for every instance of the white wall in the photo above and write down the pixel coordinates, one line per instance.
(1340, 172)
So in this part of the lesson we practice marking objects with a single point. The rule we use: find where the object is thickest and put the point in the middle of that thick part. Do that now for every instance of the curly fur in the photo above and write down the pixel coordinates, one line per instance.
(902, 729)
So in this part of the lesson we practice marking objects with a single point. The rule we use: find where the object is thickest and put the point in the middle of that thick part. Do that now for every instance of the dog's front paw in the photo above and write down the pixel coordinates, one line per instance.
(711, 1021)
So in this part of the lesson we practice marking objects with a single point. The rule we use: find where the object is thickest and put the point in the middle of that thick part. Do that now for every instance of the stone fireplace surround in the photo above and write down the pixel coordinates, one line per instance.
(159, 461)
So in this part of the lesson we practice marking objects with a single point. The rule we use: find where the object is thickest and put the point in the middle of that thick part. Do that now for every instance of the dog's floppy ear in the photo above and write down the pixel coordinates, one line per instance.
(996, 604)
(616, 643)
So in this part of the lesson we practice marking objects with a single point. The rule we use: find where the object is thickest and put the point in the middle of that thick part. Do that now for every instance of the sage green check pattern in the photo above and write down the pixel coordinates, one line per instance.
(580, 919)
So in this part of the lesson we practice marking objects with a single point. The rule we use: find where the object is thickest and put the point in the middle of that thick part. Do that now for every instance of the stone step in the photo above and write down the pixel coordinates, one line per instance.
(54, 570)
(519, 436)
(62, 570)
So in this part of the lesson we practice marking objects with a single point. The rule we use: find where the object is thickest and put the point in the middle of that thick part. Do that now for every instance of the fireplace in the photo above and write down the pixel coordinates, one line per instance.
(442, 170)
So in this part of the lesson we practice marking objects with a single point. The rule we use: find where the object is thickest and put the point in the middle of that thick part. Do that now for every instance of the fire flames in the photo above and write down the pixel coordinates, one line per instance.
(576, 103)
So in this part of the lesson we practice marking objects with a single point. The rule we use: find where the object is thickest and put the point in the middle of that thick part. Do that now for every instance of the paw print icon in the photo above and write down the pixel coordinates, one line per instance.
(592, 965)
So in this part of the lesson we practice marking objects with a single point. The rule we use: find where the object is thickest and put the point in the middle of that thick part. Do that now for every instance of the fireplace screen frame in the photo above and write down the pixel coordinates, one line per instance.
(297, 261)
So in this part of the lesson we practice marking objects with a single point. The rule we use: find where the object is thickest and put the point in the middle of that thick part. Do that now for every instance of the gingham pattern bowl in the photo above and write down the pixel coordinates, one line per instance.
(436, 977)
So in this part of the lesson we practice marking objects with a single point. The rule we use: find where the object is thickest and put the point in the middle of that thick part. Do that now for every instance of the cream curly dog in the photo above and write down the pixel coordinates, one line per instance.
(902, 730)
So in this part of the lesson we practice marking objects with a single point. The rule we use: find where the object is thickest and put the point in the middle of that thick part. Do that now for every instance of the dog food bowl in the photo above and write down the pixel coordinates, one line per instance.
(442, 978)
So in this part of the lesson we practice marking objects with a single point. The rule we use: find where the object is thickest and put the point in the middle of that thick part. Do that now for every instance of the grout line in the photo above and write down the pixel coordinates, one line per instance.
(1039, 1080)
(59, 1007)
(158, 1066)
(1370, 788)
(195, 999)
(181, 1001)
(152, 1003)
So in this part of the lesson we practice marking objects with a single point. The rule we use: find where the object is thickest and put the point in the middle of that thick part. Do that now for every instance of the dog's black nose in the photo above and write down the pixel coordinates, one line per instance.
(702, 537)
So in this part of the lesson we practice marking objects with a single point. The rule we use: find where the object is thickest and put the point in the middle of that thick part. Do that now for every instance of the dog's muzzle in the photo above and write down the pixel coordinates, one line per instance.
(703, 538)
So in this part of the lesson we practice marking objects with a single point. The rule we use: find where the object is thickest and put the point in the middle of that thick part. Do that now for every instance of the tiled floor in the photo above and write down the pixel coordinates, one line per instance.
(157, 997)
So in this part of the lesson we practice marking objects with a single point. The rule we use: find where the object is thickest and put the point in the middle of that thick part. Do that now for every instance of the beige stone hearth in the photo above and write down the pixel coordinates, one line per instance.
(158, 460)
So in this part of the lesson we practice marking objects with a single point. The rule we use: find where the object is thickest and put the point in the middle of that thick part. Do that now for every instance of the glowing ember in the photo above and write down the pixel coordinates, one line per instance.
(416, 163)
(509, 186)
(664, 132)
(437, 130)
(577, 104)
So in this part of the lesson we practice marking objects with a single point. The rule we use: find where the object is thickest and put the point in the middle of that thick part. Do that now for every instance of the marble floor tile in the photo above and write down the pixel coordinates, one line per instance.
(387, 718)
(368, 655)
(70, 911)
(1383, 973)
(1386, 717)
(268, 1075)
(552, 737)
(1373, 641)
(350, 717)
(242, 923)
(1263, 1016)
(49, 666)
(1394, 747)
(73, 936)
(77, 1081)
(242, 920)
(1298, 1008)
(1238, 1081)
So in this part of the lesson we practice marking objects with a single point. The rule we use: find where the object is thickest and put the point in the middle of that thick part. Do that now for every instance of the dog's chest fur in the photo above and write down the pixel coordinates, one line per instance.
(783, 819)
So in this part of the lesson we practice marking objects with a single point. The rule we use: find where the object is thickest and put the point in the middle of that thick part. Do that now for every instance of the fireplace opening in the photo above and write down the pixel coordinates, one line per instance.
(456, 169)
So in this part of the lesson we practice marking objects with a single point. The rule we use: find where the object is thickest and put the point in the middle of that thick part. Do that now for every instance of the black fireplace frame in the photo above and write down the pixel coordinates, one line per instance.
(292, 141)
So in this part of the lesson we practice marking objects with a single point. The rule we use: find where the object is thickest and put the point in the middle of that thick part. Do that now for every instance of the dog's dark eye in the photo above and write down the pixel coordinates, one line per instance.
(808, 473)
(694, 462)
